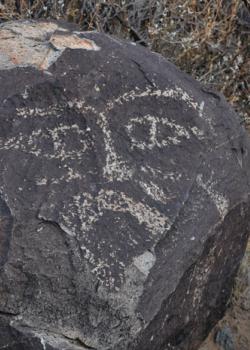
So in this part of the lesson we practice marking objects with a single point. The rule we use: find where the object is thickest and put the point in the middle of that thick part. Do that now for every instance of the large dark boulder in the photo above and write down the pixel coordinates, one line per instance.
(124, 195)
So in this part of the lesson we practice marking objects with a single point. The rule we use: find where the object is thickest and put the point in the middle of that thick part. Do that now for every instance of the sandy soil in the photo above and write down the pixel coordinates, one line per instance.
(233, 331)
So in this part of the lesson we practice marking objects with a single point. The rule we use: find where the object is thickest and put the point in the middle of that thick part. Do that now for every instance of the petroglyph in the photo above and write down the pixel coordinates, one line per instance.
(155, 192)
(82, 214)
(37, 44)
(175, 93)
(162, 132)
(85, 212)
(156, 222)
(155, 123)
(89, 209)
(115, 168)
(56, 137)
(54, 110)
(222, 203)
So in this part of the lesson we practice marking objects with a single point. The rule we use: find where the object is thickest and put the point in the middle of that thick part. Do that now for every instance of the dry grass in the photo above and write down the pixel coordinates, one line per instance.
(211, 41)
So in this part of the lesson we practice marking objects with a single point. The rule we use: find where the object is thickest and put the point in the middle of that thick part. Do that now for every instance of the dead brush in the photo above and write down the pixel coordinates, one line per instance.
(211, 41)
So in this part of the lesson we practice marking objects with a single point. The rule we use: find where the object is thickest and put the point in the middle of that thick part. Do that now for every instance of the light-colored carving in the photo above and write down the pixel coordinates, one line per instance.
(82, 212)
(221, 202)
(154, 123)
(34, 142)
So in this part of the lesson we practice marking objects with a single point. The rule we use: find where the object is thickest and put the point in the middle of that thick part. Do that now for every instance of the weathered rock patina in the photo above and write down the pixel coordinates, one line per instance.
(124, 195)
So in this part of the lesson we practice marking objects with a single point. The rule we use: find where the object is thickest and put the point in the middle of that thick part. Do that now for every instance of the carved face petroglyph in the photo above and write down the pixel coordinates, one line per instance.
(87, 215)
(102, 160)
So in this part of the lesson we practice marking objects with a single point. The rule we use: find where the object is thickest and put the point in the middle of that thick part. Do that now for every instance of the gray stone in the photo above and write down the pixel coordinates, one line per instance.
(124, 195)
(224, 338)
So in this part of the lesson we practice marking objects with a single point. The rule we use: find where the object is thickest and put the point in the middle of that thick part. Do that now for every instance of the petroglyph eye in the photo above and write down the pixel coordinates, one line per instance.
(55, 139)
(150, 131)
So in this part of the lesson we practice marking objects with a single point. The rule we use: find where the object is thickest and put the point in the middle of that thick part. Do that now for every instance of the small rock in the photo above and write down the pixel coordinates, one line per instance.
(224, 338)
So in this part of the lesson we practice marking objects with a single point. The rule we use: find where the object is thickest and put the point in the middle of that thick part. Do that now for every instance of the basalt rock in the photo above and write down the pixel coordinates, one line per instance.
(124, 195)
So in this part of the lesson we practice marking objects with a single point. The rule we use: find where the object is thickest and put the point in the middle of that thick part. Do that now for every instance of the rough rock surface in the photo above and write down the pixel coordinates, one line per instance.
(237, 316)
(124, 203)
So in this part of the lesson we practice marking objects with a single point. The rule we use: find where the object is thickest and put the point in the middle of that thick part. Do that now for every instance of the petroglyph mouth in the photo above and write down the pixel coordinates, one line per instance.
(37, 44)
